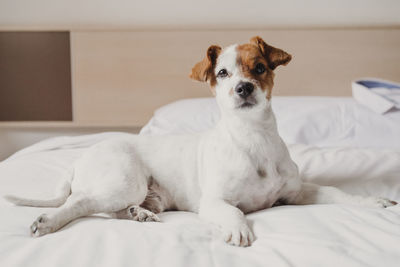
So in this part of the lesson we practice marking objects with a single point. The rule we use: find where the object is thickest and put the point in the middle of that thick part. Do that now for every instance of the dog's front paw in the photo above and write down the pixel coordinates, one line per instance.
(41, 226)
(239, 235)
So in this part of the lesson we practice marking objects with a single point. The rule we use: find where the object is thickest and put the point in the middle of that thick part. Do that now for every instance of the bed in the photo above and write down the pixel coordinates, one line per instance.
(335, 141)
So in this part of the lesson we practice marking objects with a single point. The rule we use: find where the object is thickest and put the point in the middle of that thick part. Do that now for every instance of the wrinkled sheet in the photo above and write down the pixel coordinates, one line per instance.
(314, 235)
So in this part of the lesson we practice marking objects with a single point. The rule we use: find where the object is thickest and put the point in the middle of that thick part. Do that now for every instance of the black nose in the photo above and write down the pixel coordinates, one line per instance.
(244, 89)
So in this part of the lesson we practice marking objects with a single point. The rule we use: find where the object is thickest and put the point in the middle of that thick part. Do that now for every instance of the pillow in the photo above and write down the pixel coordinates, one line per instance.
(183, 116)
(320, 121)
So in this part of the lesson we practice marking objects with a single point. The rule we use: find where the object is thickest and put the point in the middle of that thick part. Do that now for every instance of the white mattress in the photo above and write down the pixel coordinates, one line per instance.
(316, 235)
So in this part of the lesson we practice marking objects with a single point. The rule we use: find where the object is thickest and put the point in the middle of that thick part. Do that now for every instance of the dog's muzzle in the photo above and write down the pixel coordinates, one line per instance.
(244, 89)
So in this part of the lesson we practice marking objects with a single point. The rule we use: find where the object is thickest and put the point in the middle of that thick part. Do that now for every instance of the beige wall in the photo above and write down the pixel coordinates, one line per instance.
(121, 77)
(204, 14)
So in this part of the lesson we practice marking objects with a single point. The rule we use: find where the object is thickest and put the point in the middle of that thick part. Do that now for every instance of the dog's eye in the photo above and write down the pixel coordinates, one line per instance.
(260, 68)
(222, 73)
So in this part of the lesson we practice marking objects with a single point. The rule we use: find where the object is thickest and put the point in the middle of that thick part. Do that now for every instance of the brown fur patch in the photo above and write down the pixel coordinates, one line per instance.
(274, 56)
(261, 173)
(257, 51)
(249, 56)
(203, 71)
(157, 199)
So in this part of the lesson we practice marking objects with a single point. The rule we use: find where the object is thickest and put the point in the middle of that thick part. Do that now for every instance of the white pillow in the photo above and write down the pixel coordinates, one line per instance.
(183, 116)
(321, 121)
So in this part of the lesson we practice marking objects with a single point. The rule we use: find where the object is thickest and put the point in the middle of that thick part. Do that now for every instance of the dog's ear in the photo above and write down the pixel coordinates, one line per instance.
(274, 56)
(203, 70)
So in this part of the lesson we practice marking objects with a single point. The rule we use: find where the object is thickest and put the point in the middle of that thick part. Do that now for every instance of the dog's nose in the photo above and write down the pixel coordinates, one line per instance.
(244, 89)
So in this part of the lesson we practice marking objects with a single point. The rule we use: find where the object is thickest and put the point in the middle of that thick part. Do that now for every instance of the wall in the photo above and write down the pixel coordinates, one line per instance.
(204, 14)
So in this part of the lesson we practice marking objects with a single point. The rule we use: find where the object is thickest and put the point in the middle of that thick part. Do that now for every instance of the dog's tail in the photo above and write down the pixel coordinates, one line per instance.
(62, 195)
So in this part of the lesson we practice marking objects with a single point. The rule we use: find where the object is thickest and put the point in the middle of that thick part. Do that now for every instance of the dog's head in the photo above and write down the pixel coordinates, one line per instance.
(241, 76)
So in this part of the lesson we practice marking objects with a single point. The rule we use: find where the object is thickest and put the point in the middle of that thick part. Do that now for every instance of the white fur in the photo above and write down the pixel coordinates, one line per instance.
(241, 165)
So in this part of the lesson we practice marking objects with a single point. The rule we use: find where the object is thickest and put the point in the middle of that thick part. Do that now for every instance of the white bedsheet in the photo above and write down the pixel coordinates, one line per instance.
(317, 235)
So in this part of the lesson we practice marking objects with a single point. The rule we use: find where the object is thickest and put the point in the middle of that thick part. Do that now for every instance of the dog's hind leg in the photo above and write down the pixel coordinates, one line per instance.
(107, 178)
(137, 213)
(83, 202)
(77, 205)
(316, 194)
(157, 200)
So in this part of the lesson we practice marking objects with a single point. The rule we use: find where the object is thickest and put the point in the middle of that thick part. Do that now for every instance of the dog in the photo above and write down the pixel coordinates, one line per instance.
(240, 166)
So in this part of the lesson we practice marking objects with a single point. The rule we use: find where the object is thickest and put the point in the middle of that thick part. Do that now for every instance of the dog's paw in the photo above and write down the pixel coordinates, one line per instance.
(378, 202)
(384, 202)
(41, 226)
(238, 236)
(142, 215)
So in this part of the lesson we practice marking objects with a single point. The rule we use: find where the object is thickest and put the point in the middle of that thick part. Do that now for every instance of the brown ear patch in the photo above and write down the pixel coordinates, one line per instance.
(274, 56)
(203, 71)
(249, 56)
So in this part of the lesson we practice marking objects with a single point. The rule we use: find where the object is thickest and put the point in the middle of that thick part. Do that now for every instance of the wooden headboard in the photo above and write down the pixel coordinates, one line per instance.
(120, 77)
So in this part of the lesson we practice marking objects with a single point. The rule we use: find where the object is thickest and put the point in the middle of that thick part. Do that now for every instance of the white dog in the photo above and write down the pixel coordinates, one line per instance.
(240, 166)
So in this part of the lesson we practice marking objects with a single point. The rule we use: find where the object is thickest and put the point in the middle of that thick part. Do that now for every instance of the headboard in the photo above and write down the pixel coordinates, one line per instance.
(120, 77)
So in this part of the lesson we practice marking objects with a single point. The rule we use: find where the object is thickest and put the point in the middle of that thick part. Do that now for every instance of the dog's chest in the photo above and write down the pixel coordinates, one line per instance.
(259, 183)
(261, 188)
